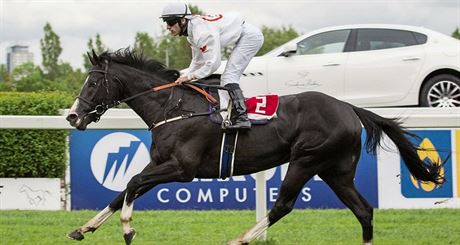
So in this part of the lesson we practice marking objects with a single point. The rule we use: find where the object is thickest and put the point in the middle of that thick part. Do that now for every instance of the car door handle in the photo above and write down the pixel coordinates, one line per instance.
(410, 58)
(331, 64)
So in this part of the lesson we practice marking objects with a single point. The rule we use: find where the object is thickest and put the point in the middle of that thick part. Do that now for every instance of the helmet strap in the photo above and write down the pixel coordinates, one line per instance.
(186, 10)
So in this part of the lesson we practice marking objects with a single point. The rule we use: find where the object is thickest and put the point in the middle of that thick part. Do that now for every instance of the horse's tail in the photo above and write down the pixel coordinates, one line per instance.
(375, 125)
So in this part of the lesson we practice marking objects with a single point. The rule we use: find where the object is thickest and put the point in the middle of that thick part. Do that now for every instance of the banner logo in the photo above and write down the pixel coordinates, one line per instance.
(437, 145)
(431, 156)
(116, 158)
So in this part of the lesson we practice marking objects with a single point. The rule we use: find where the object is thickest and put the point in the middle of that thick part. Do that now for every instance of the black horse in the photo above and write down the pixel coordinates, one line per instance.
(317, 134)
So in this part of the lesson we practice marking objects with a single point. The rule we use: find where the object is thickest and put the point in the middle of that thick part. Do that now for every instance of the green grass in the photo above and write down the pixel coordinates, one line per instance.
(435, 226)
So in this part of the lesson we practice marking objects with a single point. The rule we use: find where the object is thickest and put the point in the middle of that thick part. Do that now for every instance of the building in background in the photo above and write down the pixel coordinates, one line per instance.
(18, 55)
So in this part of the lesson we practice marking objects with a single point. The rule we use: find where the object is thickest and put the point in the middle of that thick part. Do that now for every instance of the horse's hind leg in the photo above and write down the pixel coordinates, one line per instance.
(343, 186)
(296, 177)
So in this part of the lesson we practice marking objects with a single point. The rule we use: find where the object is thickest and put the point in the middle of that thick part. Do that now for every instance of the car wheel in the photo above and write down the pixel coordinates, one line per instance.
(441, 91)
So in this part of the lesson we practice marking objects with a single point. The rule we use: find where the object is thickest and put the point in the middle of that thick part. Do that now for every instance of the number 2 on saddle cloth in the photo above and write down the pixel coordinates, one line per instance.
(260, 109)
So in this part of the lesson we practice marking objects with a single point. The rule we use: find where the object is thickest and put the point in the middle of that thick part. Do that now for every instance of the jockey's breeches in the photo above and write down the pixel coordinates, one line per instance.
(247, 46)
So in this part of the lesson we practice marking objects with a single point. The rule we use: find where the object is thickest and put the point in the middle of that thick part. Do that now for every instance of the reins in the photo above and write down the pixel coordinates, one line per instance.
(191, 85)
(208, 97)
(102, 108)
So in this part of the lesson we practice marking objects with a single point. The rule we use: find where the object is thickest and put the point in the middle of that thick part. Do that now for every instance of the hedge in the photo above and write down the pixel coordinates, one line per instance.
(33, 153)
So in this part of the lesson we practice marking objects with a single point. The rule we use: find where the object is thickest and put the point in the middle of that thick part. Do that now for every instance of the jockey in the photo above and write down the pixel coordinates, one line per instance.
(207, 35)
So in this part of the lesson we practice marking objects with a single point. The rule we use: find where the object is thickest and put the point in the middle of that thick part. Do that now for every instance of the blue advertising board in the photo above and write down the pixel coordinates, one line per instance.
(103, 161)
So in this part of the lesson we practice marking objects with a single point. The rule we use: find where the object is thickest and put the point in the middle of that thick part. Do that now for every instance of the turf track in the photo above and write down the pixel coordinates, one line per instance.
(435, 226)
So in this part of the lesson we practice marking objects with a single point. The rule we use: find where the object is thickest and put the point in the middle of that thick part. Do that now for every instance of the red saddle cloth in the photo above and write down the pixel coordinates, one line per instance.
(262, 107)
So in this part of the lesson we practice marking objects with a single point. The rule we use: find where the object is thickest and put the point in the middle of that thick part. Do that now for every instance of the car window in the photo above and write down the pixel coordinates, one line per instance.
(421, 38)
(323, 43)
(374, 39)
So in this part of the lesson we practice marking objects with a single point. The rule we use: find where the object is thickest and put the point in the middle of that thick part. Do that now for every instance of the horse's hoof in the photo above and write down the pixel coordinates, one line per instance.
(237, 242)
(129, 237)
(76, 235)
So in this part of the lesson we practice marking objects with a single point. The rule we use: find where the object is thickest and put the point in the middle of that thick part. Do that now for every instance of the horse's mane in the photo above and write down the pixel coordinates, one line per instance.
(137, 60)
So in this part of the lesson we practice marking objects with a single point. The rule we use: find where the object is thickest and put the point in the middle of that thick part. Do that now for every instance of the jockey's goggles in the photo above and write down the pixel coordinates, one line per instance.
(170, 21)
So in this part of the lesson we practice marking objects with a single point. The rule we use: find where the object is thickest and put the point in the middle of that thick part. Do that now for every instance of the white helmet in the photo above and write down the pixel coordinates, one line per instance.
(175, 10)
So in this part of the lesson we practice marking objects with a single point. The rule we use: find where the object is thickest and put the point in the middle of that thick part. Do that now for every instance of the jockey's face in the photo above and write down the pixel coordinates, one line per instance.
(175, 29)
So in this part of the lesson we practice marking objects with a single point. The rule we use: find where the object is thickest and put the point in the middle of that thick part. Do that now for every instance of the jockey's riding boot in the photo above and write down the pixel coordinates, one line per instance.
(239, 107)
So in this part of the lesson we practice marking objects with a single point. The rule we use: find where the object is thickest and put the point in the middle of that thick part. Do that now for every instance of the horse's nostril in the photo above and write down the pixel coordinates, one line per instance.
(72, 117)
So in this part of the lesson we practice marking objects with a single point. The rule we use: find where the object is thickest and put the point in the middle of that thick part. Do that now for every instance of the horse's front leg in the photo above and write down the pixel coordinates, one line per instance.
(92, 224)
(149, 177)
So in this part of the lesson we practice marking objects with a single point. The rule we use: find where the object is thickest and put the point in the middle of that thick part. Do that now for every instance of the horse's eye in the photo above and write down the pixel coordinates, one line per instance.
(92, 83)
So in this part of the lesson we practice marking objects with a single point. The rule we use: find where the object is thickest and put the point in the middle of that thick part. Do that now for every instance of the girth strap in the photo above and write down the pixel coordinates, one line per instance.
(227, 154)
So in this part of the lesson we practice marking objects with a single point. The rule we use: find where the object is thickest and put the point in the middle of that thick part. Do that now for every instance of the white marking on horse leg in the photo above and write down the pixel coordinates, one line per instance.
(256, 231)
(125, 216)
(252, 233)
(97, 220)
(367, 243)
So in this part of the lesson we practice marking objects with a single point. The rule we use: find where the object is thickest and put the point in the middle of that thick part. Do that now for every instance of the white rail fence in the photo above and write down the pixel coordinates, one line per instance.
(127, 119)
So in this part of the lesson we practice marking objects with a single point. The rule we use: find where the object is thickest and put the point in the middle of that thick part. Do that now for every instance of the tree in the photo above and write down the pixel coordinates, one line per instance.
(146, 45)
(51, 50)
(456, 33)
(194, 9)
(4, 78)
(175, 52)
(98, 46)
(4, 74)
(68, 79)
(28, 77)
(274, 37)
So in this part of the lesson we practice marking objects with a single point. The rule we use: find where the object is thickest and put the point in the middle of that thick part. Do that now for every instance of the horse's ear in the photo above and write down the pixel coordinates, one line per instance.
(95, 59)
(93, 62)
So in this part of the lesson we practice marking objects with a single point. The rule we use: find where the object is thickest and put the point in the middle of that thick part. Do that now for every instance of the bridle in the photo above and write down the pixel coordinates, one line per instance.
(100, 109)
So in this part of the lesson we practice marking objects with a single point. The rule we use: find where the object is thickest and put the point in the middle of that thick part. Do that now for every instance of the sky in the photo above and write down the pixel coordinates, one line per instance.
(118, 21)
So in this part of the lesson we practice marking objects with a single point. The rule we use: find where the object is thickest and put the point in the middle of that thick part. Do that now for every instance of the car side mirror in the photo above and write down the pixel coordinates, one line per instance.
(289, 50)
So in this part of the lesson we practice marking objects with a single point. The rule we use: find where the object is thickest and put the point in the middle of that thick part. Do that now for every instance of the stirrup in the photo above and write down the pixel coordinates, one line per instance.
(226, 122)
(240, 125)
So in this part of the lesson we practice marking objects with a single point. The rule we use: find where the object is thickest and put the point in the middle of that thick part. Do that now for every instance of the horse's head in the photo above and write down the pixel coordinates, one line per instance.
(98, 94)
(107, 84)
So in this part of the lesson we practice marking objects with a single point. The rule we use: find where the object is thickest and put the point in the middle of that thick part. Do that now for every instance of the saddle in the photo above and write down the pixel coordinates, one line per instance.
(260, 109)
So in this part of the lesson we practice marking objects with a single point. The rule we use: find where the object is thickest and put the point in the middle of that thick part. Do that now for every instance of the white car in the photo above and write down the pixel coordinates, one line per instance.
(366, 65)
